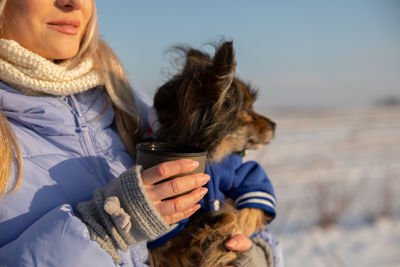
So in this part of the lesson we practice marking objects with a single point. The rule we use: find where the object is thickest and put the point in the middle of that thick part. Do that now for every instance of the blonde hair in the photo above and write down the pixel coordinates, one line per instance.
(118, 90)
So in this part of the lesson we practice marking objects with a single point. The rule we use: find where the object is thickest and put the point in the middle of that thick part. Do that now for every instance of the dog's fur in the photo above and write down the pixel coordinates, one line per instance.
(206, 106)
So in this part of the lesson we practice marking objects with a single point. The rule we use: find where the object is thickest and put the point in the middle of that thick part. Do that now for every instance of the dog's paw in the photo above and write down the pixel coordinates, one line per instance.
(120, 218)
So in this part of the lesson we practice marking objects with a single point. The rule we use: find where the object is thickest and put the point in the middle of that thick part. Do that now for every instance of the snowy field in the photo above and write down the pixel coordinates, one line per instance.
(337, 180)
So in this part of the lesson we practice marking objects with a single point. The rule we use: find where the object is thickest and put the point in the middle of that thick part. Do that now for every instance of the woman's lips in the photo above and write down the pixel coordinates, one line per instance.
(70, 27)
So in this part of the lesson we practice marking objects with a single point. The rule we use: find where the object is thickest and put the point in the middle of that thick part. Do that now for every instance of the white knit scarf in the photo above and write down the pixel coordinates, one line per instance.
(33, 74)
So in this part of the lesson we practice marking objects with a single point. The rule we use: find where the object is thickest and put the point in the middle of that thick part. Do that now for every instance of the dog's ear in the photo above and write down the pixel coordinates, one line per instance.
(221, 72)
(224, 61)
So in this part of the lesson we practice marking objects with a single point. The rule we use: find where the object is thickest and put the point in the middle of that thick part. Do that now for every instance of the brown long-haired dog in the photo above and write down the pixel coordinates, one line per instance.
(206, 106)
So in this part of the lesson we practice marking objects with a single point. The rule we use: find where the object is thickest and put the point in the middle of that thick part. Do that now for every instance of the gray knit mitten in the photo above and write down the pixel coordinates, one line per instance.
(121, 214)
(259, 255)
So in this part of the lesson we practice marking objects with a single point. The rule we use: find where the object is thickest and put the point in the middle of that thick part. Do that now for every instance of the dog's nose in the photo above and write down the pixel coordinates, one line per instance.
(272, 125)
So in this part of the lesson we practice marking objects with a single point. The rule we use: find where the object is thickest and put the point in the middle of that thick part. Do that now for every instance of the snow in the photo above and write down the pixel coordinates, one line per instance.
(337, 180)
(374, 245)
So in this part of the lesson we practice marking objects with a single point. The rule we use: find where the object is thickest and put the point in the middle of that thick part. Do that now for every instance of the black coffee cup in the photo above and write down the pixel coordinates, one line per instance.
(150, 154)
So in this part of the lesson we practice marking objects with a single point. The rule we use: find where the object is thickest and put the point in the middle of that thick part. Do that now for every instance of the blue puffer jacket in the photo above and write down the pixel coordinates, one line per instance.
(69, 147)
(68, 151)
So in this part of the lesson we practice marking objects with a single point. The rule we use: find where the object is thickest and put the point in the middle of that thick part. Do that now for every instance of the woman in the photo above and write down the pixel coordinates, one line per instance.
(68, 126)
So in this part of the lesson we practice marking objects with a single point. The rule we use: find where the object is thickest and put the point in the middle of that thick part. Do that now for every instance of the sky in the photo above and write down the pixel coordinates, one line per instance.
(298, 54)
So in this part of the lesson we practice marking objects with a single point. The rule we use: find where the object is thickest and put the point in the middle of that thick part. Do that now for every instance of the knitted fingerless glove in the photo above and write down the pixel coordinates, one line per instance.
(121, 214)
(259, 255)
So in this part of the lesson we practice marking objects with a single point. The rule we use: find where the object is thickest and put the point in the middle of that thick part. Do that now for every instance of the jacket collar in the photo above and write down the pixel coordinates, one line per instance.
(51, 115)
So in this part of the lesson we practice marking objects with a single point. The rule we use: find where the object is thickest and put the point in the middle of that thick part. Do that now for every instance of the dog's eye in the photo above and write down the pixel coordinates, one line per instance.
(248, 110)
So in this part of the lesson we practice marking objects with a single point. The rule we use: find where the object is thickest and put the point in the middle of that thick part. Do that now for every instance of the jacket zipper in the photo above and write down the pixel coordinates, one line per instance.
(85, 137)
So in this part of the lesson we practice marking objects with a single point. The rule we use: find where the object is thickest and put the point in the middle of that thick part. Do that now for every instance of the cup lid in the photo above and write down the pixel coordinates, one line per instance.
(169, 149)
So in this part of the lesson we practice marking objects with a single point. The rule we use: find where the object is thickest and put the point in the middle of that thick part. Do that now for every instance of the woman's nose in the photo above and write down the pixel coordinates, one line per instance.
(71, 4)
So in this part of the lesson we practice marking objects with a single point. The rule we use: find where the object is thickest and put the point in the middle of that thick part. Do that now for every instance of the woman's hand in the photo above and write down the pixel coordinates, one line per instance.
(239, 243)
(179, 208)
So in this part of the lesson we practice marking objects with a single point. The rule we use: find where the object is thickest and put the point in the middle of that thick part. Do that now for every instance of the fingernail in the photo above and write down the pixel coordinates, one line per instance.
(231, 243)
(194, 163)
(195, 207)
(203, 191)
(204, 178)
